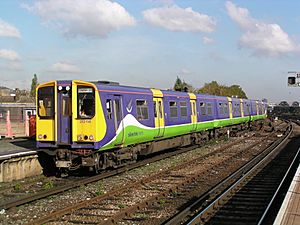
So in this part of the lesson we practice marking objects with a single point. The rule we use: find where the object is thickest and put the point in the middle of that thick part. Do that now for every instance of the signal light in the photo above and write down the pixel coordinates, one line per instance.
(40, 136)
(91, 137)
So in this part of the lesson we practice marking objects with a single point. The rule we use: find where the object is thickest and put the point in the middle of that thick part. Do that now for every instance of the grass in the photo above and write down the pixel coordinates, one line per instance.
(100, 189)
(121, 206)
(48, 185)
(18, 187)
(161, 201)
(141, 216)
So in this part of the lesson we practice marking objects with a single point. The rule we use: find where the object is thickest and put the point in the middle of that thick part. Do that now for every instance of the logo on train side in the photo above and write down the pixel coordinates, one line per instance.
(129, 106)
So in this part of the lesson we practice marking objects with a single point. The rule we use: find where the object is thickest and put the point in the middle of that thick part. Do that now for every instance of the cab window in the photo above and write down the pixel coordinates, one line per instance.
(86, 102)
(46, 102)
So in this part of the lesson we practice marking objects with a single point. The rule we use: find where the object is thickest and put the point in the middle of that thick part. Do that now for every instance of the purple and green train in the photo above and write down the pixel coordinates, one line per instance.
(103, 124)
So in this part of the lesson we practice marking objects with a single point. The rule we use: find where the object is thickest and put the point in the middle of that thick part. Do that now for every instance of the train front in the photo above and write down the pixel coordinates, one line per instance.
(70, 122)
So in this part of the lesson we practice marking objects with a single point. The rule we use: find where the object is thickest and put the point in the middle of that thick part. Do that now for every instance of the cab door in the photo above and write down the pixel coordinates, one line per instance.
(159, 117)
(193, 115)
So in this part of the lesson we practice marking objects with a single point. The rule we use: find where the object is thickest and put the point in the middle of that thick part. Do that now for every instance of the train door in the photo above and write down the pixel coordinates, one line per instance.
(159, 116)
(242, 107)
(193, 115)
(230, 107)
(118, 118)
(64, 117)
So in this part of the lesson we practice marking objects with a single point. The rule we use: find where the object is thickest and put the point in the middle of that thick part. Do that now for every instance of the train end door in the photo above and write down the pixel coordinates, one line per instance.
(64, 114)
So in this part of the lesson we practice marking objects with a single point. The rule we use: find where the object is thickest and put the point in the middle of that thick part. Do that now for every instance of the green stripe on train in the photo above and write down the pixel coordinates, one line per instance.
(134, 134)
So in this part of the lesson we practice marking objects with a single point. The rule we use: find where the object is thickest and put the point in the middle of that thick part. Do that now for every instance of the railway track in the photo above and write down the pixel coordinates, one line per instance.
(13, 196)
(21, 200)
(132, 202)
(249, 199)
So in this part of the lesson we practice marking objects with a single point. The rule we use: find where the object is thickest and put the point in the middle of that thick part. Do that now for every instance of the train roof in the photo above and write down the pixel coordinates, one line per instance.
(123, 89)
(110, 86)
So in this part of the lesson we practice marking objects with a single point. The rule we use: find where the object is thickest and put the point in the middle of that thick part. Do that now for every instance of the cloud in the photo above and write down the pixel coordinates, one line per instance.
(9, 55)
(207, 40)
(264, 38)
(64, 67)
(184, 71)
(174, 18)
(90, 18)
(14, 65)
(7, 30)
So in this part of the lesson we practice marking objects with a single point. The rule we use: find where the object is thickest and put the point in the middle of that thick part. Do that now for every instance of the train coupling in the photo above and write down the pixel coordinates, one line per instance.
(63, 164)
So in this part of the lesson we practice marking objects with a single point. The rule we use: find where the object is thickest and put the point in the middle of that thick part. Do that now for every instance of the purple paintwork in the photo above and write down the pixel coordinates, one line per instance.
(64, 131)
(125, 97)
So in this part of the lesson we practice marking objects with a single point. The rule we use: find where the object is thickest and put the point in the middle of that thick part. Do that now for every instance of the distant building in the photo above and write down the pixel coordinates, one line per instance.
(18, 102)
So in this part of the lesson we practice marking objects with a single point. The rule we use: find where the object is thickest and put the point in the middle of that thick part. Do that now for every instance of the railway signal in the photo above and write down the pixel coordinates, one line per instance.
(293, 79)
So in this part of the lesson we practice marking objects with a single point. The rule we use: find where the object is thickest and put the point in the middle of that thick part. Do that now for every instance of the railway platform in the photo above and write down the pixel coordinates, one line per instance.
(10, 148)
(18, 159)
(289, 213)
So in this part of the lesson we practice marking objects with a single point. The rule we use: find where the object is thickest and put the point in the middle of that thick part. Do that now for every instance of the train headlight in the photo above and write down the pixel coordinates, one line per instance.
(68, 88)
(59, 88)
(79, 137)
(91, 137)
(40, 136)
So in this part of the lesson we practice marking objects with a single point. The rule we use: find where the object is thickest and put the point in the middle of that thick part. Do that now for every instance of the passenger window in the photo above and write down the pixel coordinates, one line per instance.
(248, 108)
(66, 107)
(225, 108)
(160, 109)
(86, 102)
(202, 109)
(221, 109)
(109, 108)
(118, 110)
(173, 109)
(142, 109)
(209, 109)
(183, 109)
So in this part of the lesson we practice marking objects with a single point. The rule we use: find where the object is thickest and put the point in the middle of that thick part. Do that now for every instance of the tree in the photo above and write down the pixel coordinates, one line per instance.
(213, 88)
(178, 84)
(236, 90)
(182, 86)
(34, 84)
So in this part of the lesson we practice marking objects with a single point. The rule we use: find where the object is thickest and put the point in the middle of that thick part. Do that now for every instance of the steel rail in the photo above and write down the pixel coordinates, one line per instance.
(278, 189)
(240, 172)
(199, 217)
(138, 183)
(71, 185)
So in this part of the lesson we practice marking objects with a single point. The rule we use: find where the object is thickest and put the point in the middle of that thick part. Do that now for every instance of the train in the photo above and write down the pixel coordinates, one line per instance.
(99, 125)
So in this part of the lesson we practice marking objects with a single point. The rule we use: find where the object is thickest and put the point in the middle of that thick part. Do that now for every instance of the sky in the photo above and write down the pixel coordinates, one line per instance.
(148, 43)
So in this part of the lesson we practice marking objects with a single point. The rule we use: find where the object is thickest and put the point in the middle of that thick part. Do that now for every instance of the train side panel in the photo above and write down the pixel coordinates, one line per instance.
(128, 115)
